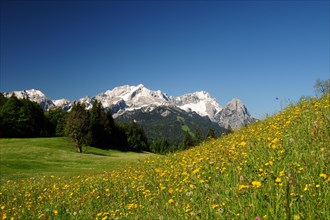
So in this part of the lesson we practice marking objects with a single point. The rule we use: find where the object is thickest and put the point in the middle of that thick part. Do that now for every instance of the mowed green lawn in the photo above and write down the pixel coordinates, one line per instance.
(31, 157)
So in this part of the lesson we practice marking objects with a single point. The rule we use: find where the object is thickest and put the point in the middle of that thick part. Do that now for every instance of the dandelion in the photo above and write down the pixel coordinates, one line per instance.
(187, 209)
(214, 206)
(242, 187)
(132, 206)
(243, 143)
(323, 175)
(278, 180)
(196, 171)
(256, 184)
(170, 201)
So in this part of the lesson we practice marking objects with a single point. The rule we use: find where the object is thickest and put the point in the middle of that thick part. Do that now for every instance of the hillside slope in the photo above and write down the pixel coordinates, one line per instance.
(274, 169)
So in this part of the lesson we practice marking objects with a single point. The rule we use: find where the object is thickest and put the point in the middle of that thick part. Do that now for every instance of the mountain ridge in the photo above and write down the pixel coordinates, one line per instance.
(123, 99)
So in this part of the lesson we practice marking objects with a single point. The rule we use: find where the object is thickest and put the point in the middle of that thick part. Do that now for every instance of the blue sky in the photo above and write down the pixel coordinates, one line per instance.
(253, 50)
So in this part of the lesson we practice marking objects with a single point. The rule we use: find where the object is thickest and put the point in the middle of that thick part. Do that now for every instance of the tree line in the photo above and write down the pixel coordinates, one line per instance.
(22, 118)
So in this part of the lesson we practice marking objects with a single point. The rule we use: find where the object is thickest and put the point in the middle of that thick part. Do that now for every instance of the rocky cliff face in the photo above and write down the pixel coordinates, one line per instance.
(234, 116)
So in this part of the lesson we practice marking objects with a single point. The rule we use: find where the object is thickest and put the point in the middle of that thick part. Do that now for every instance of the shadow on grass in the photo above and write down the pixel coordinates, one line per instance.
(98, 154)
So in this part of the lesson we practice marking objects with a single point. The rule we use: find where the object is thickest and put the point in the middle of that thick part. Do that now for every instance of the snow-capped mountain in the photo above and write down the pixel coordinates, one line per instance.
(33, 95)
(63, 103)
(234, 115)
(124, 99)
(130, 98)
(200, 102)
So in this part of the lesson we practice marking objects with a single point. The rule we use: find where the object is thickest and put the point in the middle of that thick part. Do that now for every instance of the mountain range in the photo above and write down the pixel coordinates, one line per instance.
(135, 102)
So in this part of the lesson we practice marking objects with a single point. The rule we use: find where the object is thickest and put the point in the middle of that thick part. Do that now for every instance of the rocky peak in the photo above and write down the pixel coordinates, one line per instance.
(234, 115)
(200, 102)
(33, 95)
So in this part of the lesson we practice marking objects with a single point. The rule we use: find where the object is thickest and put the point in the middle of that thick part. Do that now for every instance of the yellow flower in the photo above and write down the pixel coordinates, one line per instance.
(256, 184)
(323, 175)
(241, 187)
(196, 171)
(278, 180)
(306, 187)
(187, 209)
(170, 201)
(2, 207)
(243, 143)
(215, 206)
(132, 206)
(55, 212)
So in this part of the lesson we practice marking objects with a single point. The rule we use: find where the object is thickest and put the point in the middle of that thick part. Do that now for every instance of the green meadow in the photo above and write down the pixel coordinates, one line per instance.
(32, 157)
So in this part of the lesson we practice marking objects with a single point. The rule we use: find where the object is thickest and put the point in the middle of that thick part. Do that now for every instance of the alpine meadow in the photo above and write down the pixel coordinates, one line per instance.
(277, 168)
(165, 110)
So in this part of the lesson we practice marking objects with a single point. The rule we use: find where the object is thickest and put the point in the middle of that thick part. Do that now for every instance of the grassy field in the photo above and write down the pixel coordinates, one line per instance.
(273, 169)
(34, 157)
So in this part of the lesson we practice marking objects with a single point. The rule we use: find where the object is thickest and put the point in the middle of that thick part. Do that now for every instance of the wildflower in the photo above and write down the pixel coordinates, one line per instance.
(187, 209)
(323, 175)
(306, 187)
(196, 171)
(132, 206)
(214, 206)
(256, 184)
(243, 143)
(278, 180)
(170, 201)
(55, 212)
(241, 187)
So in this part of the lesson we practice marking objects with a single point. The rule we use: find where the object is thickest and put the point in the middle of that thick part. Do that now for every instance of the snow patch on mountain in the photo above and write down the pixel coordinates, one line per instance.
(130, 98)
(63, 103)
(199, 102)
(33, 95)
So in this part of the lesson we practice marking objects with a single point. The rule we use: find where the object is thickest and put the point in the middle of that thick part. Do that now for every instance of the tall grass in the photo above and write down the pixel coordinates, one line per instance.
(274, 169)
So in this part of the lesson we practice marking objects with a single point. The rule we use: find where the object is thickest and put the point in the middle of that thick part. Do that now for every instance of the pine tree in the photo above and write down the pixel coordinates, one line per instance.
(97, 126)
(56, 119)
(21, 118)
(9, 116)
